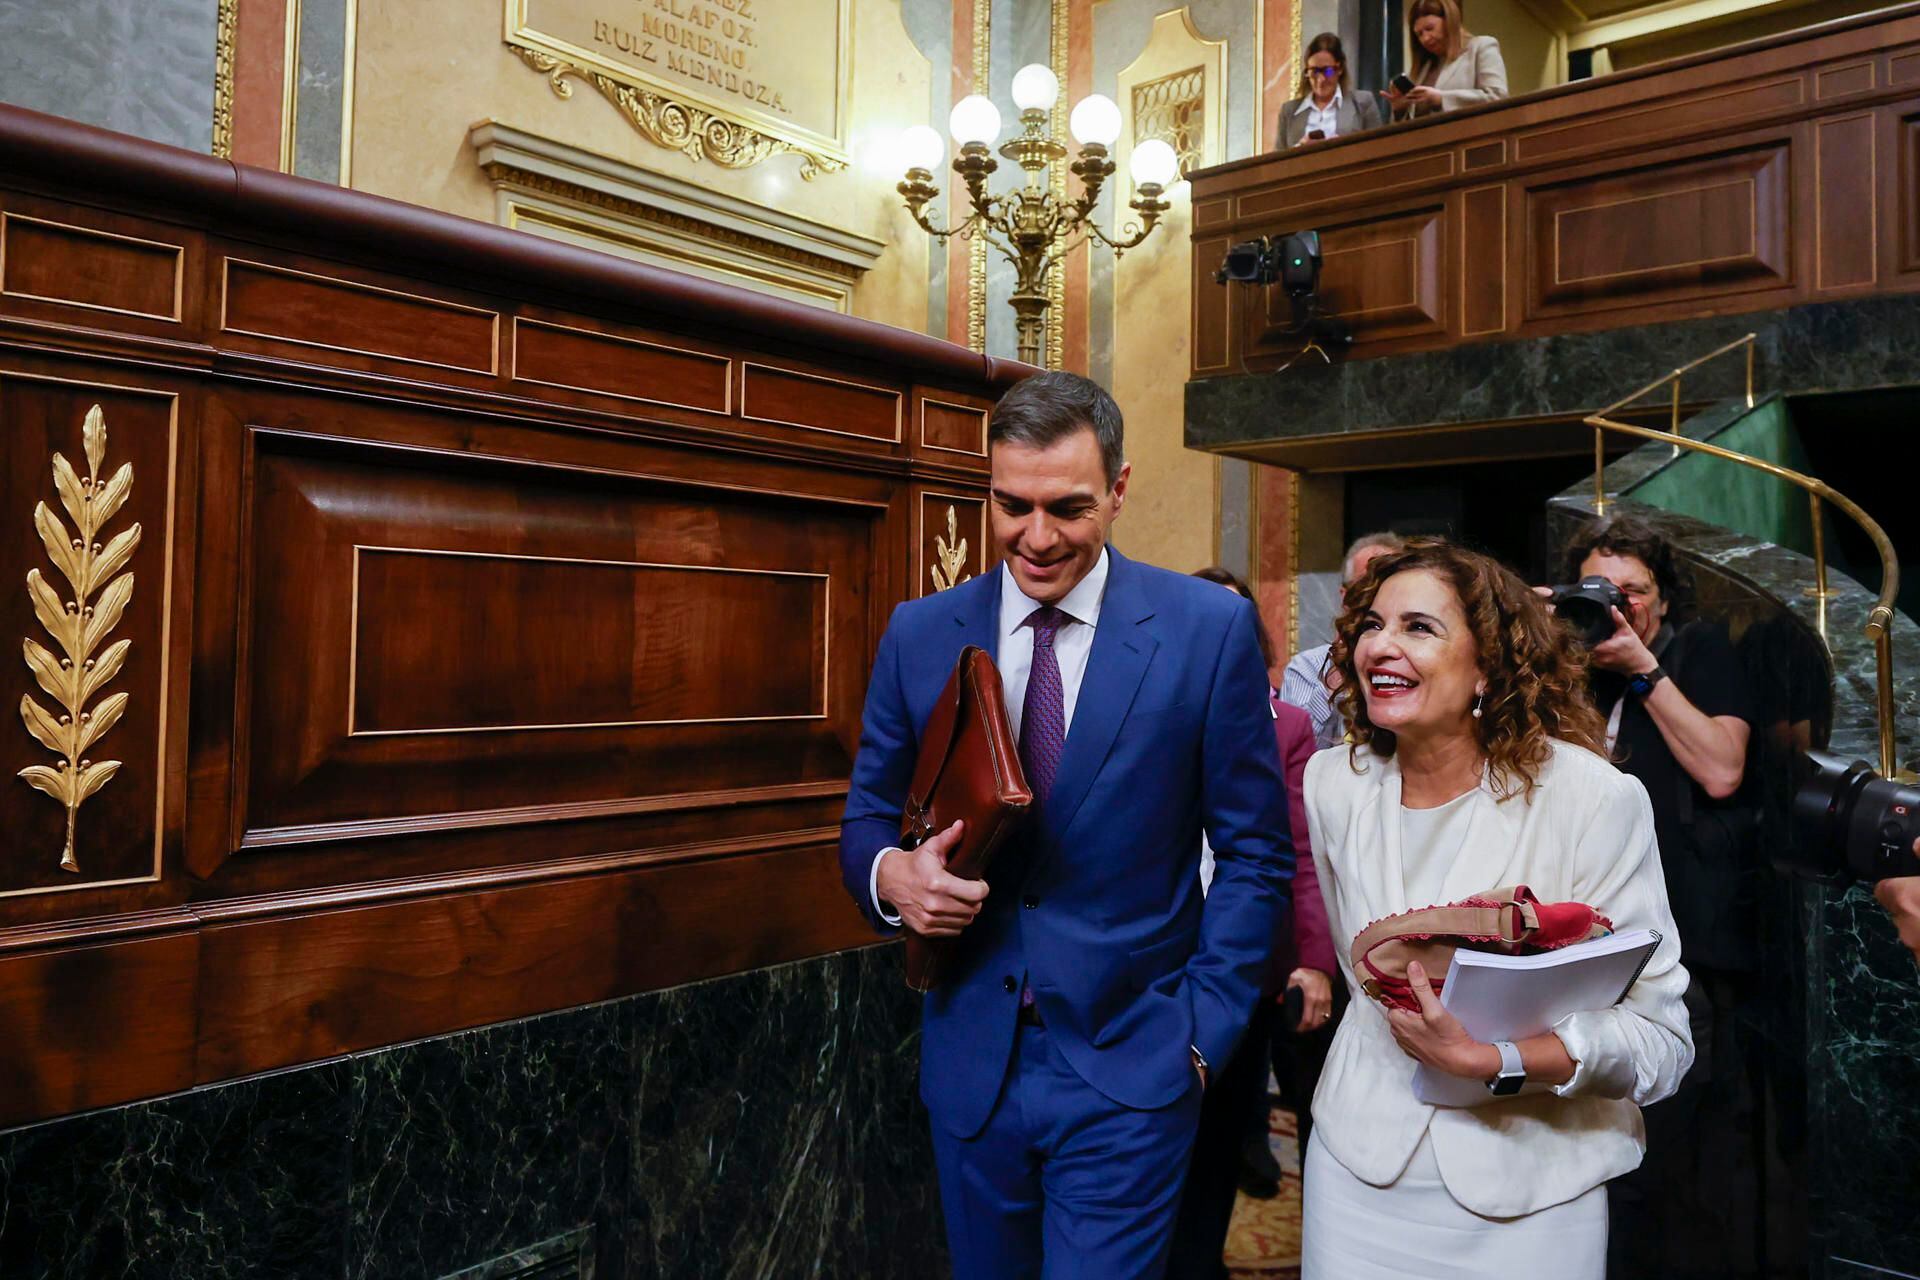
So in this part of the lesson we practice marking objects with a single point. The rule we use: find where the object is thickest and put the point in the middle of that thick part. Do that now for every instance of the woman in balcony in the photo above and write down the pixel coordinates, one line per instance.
(1453, 68)
(1328, 106)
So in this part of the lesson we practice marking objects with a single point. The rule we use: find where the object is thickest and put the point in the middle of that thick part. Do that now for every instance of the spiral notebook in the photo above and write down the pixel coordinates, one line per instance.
(1501, 997)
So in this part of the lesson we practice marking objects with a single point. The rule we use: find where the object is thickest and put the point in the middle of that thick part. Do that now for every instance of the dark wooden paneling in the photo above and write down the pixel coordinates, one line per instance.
(953, 427)
(1332, 188)
(53, 261)
(951, 535)
(820, 402)
(313, 505)
(625, 368)
(94, 1026)
(1842, 81)
(1485, 155)
(1845, 226)
(293, 990)
(1705, 226)
(327, 314)
(1212, 308)
(1483, 261)
(117, 835)
(1764, 176)
(468, 641)
(454, 692)
(1684, 117)
(1382, 278)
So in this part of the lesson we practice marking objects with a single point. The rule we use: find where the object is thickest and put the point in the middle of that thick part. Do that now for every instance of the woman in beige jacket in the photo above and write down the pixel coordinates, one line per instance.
(1477, 762)
(1452, 67)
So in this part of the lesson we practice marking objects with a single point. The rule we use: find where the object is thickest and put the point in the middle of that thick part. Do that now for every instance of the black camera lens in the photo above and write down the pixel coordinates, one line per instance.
(1852, 824)
(1587, 608)
(1249, 262)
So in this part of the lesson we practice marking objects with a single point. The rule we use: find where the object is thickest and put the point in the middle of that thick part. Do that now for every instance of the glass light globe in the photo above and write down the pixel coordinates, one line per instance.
(1035, 87)
(974, 119)
(1153, 161)
(922, 147)
(1095, 120)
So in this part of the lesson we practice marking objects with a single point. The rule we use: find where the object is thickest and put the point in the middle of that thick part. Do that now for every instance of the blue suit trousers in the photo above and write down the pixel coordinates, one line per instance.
(1064, 1183)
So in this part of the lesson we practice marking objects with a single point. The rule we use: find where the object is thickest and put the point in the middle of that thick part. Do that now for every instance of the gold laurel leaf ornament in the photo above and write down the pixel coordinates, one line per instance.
(951, 553)
(100, 595)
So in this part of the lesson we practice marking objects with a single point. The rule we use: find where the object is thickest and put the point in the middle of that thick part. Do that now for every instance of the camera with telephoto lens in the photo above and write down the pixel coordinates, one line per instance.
(1852, 824)
(1587, 608)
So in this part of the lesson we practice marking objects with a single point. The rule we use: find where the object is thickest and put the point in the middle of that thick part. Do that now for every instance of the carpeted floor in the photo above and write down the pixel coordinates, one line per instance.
(1264, 1241)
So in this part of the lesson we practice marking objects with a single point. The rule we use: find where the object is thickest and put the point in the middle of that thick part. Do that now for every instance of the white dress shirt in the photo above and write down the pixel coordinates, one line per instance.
(1325, 119)
(1013, 642)
(1304, 684)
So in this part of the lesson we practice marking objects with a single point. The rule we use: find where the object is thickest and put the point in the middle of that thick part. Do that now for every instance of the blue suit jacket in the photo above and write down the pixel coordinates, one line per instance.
(1171, 736)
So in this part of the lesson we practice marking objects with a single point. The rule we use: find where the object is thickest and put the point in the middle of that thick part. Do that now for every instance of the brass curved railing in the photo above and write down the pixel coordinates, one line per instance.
(1879, 626)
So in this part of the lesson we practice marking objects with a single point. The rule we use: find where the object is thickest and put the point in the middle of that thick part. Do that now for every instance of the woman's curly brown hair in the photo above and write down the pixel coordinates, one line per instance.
(1536, 673)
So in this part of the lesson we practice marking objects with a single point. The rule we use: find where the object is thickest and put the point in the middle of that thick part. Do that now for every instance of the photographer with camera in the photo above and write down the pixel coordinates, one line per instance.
(1678, 718)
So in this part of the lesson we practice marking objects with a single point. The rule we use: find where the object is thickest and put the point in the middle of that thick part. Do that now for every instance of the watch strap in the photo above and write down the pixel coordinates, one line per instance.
(1644, 682)
(1513, 1071)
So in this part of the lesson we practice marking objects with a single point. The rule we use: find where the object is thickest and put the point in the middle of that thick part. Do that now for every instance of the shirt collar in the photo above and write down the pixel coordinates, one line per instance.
(1307, 104)
(1082, 603)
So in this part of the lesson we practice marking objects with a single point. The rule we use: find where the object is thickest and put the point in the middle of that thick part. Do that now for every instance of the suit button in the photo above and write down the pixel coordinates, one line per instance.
(1009, 984)
(1029, 902)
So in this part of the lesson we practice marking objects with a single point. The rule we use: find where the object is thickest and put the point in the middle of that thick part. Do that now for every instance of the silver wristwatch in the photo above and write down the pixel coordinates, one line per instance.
(1513, 1072)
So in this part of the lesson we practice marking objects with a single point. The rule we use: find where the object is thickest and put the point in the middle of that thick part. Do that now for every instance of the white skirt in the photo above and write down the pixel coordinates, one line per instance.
(1353, 1230)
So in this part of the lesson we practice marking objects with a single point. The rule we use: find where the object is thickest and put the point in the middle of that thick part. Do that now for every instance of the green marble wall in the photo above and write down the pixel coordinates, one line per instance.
(753, 1127)
(1739, 498)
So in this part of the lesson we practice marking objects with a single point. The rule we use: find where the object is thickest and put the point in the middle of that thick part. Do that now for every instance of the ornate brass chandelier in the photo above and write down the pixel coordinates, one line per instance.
(1031, 226)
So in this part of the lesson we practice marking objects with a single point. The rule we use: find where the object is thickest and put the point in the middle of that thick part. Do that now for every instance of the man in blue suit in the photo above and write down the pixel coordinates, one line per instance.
(1064, 1057)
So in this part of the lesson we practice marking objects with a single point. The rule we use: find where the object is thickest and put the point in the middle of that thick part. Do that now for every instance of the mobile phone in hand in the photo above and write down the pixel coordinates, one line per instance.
(1316, 135)
(1293, 1007)
(1403, 84)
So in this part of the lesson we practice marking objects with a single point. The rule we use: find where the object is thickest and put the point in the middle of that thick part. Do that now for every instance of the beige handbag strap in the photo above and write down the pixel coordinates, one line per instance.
(1503, 917)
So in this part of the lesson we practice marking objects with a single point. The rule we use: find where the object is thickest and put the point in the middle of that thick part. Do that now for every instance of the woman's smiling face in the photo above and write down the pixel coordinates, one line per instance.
(1416, 659)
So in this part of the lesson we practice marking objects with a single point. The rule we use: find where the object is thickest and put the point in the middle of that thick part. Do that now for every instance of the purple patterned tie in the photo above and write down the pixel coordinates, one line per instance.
(1043, 718)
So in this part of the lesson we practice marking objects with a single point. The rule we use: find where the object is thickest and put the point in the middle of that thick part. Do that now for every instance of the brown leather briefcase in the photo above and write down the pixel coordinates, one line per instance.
(968, 770)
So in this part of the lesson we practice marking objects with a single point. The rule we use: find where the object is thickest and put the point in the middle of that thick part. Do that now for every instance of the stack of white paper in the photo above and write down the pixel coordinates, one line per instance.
(1501, 997)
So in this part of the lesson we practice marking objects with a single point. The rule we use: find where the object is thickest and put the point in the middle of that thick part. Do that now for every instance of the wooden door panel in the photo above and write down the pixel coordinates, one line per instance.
(430, 640)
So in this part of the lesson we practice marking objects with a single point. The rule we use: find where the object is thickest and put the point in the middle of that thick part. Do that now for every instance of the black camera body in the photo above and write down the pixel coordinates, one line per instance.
(1852, 824)
(1587, 608)
(1292, 259)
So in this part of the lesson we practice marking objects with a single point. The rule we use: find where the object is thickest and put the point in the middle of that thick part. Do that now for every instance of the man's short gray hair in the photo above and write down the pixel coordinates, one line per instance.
(1366, 542)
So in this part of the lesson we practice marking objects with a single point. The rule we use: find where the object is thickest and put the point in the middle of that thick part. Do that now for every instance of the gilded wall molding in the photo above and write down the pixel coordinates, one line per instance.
(502, 174)
(225, 34)
(680, 126)
(1057, 48)
(79, 625)
(977, 245)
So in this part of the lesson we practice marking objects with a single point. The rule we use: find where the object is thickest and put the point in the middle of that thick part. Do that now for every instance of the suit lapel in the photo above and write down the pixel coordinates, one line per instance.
(1349, 116)
(976, 611)
(1392, 863)
(1122, 649)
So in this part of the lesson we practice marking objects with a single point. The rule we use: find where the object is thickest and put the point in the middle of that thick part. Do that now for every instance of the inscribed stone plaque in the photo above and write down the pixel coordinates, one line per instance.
(776, 67)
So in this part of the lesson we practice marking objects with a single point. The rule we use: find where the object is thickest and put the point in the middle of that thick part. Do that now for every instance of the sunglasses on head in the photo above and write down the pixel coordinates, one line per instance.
(1326, 73)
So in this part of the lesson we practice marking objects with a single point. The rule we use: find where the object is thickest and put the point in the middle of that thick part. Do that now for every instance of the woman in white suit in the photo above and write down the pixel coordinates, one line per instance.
(1452, 67)
(1476, 763)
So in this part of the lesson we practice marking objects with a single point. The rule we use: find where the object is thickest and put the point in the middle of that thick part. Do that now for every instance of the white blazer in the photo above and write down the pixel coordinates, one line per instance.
(1476, 74)
(1585, 835)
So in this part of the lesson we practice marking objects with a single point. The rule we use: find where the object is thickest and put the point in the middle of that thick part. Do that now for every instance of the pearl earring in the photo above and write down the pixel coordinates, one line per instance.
(1478, 698)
